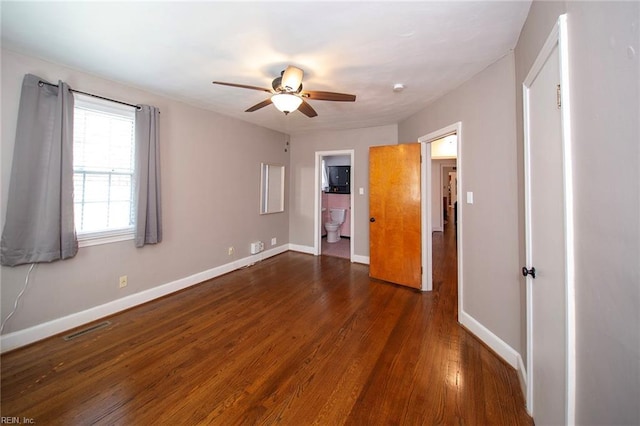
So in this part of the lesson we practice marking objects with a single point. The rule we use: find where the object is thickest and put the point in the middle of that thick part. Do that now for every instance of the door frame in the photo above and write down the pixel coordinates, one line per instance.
(427, 238)
(442, 179)
(558, 37)
(456, 186)
(438, 185)
(317, 215)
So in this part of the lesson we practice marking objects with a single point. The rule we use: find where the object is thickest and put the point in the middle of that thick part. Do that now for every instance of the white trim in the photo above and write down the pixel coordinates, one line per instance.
(92, 103)
(113, 236)
(426, 217)
(317, 213)
(557, 37)
(441, 192)
(528, 259)
(41, 331)
(302, 249)
(426, 236)
(361, 259)
(356, 258)
(568, 218)
(522, 375)
(499, 346)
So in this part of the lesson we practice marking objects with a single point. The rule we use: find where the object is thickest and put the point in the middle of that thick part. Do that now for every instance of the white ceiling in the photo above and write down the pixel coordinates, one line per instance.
(177, 48)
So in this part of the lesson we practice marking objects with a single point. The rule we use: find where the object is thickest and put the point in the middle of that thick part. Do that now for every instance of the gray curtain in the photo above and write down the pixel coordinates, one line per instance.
(149, 211)
(39, 225)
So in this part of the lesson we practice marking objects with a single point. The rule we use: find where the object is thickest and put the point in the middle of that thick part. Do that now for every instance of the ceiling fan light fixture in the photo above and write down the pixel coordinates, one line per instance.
(287, 95)
(286, 102)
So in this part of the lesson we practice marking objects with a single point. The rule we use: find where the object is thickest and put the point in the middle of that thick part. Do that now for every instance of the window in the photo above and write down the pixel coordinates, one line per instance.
(104, 166)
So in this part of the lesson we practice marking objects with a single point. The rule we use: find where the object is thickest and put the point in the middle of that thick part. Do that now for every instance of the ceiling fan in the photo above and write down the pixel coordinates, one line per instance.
(287, 94)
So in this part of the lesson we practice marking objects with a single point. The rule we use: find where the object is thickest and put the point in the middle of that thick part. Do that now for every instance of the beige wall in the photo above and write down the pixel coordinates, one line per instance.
(605, 79)
(303, 149)
(487, 166)
(210, 177)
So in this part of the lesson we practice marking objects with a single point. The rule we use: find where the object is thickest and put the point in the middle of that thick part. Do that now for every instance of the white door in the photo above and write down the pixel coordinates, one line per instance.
(546, 241)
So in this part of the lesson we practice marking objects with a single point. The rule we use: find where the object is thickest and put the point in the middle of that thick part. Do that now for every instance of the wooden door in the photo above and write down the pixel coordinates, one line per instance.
(395, 237)
(545, 245)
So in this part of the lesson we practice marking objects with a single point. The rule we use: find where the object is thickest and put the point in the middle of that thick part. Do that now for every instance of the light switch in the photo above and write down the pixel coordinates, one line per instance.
(361, 191)
(469, 197)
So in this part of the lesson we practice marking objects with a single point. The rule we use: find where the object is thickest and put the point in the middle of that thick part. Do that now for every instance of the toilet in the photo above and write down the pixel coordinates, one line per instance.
(333, 226)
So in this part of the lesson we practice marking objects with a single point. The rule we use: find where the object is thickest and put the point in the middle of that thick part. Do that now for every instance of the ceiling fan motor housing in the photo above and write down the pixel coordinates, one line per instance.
(278, 88)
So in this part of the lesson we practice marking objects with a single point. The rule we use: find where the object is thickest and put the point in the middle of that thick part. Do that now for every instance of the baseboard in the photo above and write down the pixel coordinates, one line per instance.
(301, 249)
(499, 346)
(361, 259)
(310, 250)
(437, 229)
(51, 328)
(522, 377)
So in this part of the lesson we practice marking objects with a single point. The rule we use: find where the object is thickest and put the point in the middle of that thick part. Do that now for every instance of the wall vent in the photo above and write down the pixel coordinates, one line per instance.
(257, 247)
(87, 330)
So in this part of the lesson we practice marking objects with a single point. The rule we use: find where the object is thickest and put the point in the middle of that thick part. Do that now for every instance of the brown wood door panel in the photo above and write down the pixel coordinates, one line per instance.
(395, 234)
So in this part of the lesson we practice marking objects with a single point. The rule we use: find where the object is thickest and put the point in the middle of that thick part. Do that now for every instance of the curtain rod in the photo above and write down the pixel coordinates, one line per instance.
(41, 83)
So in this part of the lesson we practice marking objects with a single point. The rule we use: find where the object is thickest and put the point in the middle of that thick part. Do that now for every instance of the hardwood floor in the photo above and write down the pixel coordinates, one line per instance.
(294, 340)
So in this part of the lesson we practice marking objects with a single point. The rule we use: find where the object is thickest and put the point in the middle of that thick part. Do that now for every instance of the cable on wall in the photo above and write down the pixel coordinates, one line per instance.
(15, 305)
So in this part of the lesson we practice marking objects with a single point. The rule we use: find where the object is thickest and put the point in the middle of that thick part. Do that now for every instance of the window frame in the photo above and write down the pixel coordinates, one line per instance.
(91, 238)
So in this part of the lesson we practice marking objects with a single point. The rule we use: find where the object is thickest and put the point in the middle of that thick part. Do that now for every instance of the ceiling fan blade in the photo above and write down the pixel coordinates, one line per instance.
(260, 105)
(292, 78)
(242, 86)
(306, 109)
(328, 96)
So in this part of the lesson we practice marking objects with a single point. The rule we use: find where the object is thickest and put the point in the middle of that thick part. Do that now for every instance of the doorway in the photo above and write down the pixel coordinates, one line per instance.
(549, 234)
(329, 198)
(428, 192)
(452, 186)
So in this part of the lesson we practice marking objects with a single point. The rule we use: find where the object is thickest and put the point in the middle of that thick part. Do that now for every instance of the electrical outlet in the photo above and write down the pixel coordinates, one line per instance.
(123, 281)
(274, 241)
(230, 251)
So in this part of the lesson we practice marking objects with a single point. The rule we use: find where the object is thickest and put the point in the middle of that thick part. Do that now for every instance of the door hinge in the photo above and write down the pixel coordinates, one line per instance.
(559, 96)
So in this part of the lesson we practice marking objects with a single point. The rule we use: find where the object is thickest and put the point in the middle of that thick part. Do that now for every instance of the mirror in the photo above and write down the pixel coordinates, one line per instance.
(271, 188)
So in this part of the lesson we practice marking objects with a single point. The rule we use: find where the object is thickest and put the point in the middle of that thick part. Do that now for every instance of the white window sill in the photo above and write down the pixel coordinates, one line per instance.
(105, 237)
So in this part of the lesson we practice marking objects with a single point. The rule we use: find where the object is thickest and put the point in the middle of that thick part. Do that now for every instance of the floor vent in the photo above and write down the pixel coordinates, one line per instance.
(87, 330)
